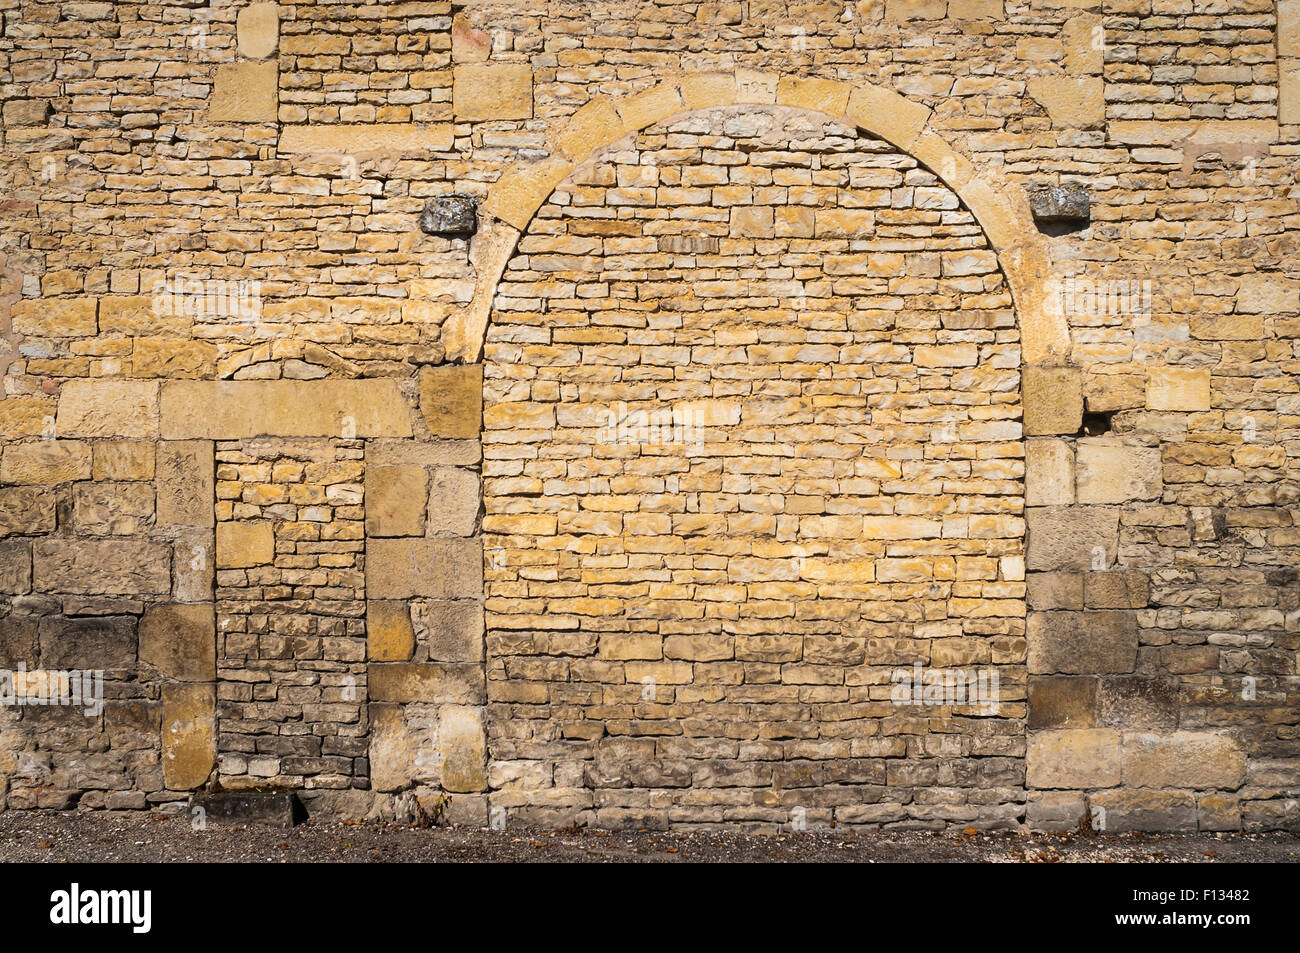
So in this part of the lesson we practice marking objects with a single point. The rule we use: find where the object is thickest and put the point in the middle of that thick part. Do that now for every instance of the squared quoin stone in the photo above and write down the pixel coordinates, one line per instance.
(1071, 537)
(1183, 759)
(357, 139)
(454, 502)
(451, 399)
(427, 682)
(1049, 472)
(1113, 472)
(180, 641)
(396, 499)
(393, 747)
(245, 92)
(110, 567)
(108, 408)
(1082, 643)
(1053, 400)
(1288, 28)
(189, 748)
(404, 567)
(452, 629)
(1118, 589)
(389, 633)
(463, 745)
(46, 462)
(234, 410)
(1062, 702)
(1073, 758)
(1071, 102)
(186, 483)
(487, 91)
(1145, 810)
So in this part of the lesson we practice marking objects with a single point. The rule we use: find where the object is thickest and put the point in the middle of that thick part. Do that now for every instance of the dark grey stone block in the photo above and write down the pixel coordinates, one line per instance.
(449, 215)
(1060, 204)
(271, 808)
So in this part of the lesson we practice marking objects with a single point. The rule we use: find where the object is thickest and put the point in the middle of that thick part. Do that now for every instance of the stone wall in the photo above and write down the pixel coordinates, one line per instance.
(337, 504)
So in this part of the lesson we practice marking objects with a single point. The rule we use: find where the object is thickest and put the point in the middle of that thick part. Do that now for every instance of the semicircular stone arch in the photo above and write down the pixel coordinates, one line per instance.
(752, 453)
(1000, 208)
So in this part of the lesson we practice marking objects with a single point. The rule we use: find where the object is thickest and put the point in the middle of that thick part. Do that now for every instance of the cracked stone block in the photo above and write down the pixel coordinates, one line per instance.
(1069, 202)
(449, 215)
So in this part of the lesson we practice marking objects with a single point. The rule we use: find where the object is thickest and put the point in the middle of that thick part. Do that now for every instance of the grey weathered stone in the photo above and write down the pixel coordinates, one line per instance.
(1062, 702)
(452, 629)
(1183, 759)
(1122, 811)
(447, 568)
(1082, 643)
(449, 215)
(119, 567)
(180, 641)
(1118, 589)
(18, 642)
(26, 510)
(1071, 537)
(1054, 590)
(112, 509)
(1054, 811)
(1068, 202)
(430, 682)
(1138, 701)
(107, 642)
(265, 808)
(185, 483)
(15, 567)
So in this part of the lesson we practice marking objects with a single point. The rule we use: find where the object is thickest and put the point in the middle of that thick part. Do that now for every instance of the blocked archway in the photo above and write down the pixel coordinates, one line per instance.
(1001, 208)
(751, 450)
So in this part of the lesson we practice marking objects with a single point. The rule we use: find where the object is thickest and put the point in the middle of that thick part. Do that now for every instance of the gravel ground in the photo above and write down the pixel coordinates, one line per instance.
(104, 837)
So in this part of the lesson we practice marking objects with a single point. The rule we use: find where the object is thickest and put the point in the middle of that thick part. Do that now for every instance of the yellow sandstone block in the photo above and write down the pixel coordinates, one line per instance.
(825, 95)
(189, 746)
(245, 92)
(487, 91)
(241, 545)
(753, 86)
(232, 410)
(359, 139)
(56, 318)
(389, 633)
(649, 107)
(258, 30)
(709, 89)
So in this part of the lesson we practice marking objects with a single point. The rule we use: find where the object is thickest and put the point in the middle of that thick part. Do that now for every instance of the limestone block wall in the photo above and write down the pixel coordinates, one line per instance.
(327, 500)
